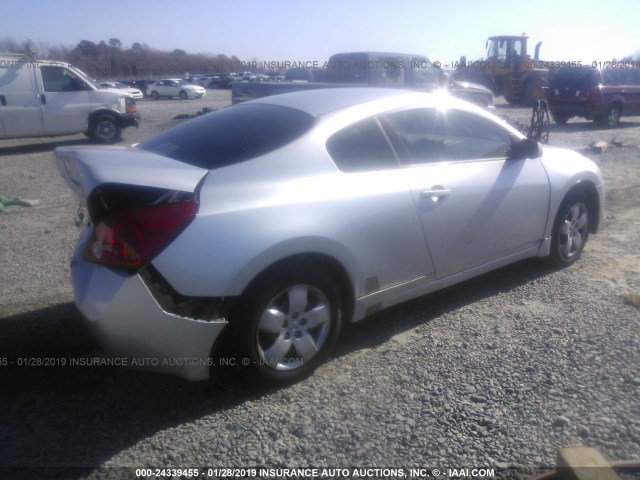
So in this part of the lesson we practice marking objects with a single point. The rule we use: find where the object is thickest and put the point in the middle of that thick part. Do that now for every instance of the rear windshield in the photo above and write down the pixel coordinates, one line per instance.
(231, 135)
(575, 78)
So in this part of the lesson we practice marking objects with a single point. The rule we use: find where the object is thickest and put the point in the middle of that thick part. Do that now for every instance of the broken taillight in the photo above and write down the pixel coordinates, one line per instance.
(129, 239)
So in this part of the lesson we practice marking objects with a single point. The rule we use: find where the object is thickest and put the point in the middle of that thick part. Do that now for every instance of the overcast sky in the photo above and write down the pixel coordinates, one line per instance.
(270, 30)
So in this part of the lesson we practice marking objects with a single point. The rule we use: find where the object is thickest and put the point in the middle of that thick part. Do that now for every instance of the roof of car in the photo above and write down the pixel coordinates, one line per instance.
(321, 101)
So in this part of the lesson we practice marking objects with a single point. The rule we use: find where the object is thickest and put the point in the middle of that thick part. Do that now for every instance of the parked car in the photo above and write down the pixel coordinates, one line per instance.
(257, 231)
(139, 84)
(218, 80)
(603, 95)
(134, 92)
(174, 87)
(42, 98)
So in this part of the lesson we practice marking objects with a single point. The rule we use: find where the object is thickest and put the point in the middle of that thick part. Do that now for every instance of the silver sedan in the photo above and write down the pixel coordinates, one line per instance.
(249, 236)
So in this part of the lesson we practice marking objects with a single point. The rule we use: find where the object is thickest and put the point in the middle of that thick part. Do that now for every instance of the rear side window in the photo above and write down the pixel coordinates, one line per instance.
(231, 135)
(361, 147)
(612, 77)
(627, 76)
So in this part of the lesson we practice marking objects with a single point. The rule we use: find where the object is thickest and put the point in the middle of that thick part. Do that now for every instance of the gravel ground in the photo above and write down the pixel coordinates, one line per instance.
(498, 372)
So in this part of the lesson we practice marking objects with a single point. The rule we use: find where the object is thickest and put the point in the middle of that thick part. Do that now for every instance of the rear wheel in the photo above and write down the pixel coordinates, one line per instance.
(571, 230)
(155, 95)
(560, 117)
(612, 118)
(287, 326)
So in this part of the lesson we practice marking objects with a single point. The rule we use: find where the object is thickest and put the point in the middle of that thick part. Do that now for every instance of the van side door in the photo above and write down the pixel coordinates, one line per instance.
(20, 109)
(65, 100)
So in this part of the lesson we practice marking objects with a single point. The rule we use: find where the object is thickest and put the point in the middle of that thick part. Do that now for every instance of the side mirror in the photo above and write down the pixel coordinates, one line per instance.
(525, 148)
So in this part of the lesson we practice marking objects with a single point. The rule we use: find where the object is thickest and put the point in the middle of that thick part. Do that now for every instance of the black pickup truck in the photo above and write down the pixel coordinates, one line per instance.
(393, 70)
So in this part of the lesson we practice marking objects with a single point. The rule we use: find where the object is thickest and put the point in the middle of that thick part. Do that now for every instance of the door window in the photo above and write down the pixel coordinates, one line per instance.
(60, 79)
(429, 135)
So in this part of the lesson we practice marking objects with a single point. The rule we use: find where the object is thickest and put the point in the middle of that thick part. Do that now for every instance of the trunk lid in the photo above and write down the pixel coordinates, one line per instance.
(86, 168)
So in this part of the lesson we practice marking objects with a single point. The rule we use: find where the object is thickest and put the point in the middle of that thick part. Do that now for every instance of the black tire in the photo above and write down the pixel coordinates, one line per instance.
(571, 230)
(155, 95)
(612, 117)
(532, 91)
(105, 129)
(277, 342)
(183, 95)
(560, 117)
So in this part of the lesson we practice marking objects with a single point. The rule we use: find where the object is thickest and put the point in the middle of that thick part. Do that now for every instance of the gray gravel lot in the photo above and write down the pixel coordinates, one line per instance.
(498, 372)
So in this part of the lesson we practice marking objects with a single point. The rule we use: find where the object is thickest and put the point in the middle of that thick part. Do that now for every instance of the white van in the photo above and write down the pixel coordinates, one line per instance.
(42, 98)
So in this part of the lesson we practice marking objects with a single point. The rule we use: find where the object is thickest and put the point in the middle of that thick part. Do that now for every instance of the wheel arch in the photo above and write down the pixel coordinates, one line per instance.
(310, 260)
(617, 101)
(104, 111)
(223, 346)
(589, 190)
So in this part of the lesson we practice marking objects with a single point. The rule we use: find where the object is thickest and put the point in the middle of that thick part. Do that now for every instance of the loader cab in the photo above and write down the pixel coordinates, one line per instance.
(506, 54)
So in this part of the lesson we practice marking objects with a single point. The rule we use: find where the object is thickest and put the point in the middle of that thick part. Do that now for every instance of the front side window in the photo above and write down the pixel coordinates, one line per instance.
(361, 147)
(428, 135)
(60, 79)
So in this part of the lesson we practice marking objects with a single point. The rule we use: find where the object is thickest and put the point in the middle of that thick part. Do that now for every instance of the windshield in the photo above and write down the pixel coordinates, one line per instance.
(84, 76)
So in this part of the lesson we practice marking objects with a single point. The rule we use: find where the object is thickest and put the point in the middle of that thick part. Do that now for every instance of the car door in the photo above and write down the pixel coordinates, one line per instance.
(20, 109)
(161, 87)
(169, 89)
(382, 227)
(65, 100)
(475, 205)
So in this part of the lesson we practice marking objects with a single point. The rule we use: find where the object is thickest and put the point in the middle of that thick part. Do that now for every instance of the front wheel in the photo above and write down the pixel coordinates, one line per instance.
(287, 326)
(533, 91)
(183, 95)
(105, 129)
(571, 230)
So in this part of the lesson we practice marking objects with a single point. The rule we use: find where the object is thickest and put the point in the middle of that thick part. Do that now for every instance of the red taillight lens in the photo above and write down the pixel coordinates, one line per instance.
(593, 93)
(129, 239)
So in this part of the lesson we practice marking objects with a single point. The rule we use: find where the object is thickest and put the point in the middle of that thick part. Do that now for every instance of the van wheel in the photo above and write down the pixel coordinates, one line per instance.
(105, 129)
(183, 95)
(612, 118)
(155, 95)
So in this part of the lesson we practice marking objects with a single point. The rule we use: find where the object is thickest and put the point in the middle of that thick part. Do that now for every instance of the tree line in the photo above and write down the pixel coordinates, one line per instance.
(111, 60)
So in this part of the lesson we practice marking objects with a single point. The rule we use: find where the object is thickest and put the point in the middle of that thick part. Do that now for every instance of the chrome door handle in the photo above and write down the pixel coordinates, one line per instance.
(435, 194)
